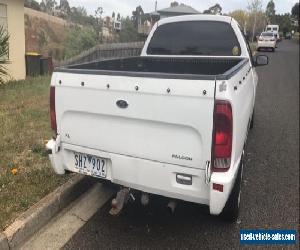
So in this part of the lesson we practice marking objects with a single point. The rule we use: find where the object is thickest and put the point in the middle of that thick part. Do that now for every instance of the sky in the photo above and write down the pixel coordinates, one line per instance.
(125, 7)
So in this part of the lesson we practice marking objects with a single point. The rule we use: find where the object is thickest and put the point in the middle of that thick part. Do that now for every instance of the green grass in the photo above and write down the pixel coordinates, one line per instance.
(24, 128)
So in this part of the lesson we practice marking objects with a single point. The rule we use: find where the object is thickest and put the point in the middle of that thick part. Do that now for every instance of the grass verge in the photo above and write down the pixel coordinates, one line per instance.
(253, 47)
(25, 173)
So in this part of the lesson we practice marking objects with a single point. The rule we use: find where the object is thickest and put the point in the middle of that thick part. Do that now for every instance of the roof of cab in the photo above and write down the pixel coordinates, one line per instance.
(200, 17)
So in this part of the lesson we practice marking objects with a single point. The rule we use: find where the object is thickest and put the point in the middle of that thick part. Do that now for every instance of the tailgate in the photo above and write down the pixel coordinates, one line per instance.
(172, 126)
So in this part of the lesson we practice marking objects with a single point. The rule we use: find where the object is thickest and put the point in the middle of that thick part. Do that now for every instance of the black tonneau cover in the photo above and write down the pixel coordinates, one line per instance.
(162, 67)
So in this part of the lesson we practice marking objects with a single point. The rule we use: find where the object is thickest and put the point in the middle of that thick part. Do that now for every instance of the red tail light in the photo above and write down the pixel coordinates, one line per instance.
(222, 137)
(52, 109)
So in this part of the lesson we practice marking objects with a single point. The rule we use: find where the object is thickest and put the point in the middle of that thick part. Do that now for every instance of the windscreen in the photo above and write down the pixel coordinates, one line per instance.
(205, 38)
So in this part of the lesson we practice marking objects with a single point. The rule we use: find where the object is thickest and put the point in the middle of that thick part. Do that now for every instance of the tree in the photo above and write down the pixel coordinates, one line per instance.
(43, 6)
(32, 4)
(254, 8)
(48, 6)
(214, 10)
(4, 50)
(79, 40)
(79, 15)
(241, 17)
(295, 10)
(295, 13)
(65, 6)
(27, 3)
(137, 16)
(99, 12)
(98, 25)
(174, 4)
(270, 11)
(80, 10)
(129, 32)
(284, 22)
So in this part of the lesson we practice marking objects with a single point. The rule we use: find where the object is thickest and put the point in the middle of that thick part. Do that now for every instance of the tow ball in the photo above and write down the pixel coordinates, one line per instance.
(121, 199)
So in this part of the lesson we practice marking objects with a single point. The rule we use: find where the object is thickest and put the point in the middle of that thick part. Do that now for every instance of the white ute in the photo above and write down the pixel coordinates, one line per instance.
(172, 122)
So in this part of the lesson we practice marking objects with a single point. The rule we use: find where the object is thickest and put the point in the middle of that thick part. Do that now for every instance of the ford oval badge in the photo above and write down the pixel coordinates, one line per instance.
(122, 104)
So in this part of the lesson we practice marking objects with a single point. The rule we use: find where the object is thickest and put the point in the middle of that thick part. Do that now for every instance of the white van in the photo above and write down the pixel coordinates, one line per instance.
(275, 29)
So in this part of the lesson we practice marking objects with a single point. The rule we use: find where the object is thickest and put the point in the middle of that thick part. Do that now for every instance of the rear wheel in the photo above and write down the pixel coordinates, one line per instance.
(273, 49)
(230, 212)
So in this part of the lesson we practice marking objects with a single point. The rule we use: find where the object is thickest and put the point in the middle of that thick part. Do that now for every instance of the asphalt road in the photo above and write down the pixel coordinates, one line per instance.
(270, 192)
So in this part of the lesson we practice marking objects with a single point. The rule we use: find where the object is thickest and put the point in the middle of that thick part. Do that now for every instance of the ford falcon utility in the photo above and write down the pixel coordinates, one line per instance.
(172, 121)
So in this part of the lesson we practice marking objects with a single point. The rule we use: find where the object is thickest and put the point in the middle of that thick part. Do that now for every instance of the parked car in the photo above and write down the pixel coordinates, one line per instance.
(267, 40)
(172, 122)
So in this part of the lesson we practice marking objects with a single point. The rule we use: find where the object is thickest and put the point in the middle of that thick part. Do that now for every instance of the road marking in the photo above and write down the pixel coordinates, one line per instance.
(59, 231)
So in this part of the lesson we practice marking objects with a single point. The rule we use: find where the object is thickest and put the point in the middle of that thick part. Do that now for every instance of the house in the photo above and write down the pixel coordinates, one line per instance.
(178, 10)
(12, 19)
(153, 17)
(110, 27)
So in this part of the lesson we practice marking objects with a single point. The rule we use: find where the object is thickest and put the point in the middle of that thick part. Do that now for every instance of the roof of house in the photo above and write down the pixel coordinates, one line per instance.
(183, 9)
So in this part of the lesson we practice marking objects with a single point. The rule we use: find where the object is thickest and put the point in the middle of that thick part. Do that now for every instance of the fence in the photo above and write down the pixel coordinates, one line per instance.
(105, 51)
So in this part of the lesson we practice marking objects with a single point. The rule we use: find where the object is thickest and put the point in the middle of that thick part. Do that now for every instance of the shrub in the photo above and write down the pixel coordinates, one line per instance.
(79, 40)
(4, 50)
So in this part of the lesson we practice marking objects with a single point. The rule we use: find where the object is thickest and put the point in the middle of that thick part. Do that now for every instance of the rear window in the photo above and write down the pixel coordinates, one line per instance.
(205, 38)
(267, 34)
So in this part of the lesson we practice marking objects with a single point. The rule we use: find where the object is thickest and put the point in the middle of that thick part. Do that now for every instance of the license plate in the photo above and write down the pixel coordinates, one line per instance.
(90, 165)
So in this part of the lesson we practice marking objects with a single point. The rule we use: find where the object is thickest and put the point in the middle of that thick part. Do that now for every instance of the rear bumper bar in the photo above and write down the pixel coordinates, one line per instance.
(151, 177)
(266, 44)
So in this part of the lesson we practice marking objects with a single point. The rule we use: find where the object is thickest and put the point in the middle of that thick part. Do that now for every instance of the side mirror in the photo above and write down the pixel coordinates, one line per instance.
(261, 60)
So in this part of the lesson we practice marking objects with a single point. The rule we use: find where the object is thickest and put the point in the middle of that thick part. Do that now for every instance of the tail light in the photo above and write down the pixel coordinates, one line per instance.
(52, 109)
(222, 136)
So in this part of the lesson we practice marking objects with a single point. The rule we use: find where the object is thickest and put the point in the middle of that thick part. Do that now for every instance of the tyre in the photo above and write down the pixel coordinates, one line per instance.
(273, 49)
(230, 212)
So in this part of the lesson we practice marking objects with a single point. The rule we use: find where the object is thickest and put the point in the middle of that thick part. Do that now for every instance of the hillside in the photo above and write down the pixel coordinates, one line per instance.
(45, 34)
(61, 39)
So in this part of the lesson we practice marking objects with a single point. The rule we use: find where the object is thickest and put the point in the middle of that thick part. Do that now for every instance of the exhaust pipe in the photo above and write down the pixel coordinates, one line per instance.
(171, 206)
(145, 199)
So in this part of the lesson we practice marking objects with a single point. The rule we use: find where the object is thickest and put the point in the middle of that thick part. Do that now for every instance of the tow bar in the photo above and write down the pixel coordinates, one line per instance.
(122, 198)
